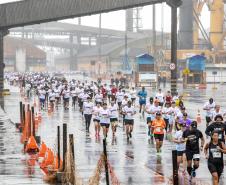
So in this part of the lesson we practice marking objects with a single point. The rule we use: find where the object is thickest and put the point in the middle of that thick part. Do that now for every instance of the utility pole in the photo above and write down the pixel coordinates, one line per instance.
(174, 4)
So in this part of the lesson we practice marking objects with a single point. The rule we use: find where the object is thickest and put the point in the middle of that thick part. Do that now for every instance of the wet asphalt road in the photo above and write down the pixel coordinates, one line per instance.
(134, 162)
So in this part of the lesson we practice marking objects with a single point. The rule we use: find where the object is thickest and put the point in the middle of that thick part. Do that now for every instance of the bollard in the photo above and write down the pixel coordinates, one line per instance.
(175, 167)
(33, 120)
(64, 143)
(71, 140)
(21, 113)
(58, 145)
(106, 162)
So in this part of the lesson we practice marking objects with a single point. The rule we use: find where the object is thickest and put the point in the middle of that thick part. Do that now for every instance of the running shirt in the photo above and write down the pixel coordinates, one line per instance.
(158, 126)
(210, 108)
(214, 114)
(52, 96)
(73, 93)
(96, 112)
(105, 115)
(42, 94)
(192, 137)
(153, 110)
(142, 96)
(57, 93)
(129, 112)
(66, 93)
(119, 96)
(186, 122)
(124, 102)
(114, 111)
(98, 98)
(84, 97)
(133, 94)
(178, 136)
(160, 97)
(87, 107)
(219, 127)
(215, 155)
(167, 112)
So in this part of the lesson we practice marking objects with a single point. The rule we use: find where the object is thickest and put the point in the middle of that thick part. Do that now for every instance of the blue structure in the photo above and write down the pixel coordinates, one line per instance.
(145, 59)
(197, 63)
(144, 62)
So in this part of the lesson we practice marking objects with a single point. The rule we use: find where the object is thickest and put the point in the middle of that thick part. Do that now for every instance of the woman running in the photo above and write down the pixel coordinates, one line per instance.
(96, 119)
(114, 117)
(215, 149)
(129, 112)
(87, 110)
(105, 119)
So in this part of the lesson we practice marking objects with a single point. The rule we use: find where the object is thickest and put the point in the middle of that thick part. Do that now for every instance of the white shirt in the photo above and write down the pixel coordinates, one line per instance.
(87, 107)
(42, 94)
(129, 112)
(52, 96)
(105, 116)
(133, 93)
(96, 112)
(210, 108)
(66, 93)
(98, 98)
(57, 93)
(167, 112)
(114, 111)
(84, 97)
(178, 136)
(160, 97)
(153, 110)
(119, 96)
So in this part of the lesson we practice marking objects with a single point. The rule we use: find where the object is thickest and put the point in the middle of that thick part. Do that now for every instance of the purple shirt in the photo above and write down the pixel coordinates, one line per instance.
(187, 122)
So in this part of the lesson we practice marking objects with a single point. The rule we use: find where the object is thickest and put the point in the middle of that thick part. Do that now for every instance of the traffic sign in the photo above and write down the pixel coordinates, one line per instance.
(186, 71)
(172, 66)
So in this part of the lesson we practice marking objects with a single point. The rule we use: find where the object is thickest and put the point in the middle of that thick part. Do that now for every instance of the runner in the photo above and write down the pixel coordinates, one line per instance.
(42, 97)
(119, 98)
(214, 151)
(149, 115)
(218, 111)
(133, 94)
(66, 97)
(98, 98)
(192, 136)
(129, 112)
(160, 96)
(87, 111)
(218, 126)
(52, 97)
(180, 145)
(105, 115)
(142, 99)
(96, 119)
(114, 117)
(158, 126)
(209, 108)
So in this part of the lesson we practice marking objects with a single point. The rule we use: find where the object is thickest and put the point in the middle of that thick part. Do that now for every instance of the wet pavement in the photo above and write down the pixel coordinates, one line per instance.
(134, 162)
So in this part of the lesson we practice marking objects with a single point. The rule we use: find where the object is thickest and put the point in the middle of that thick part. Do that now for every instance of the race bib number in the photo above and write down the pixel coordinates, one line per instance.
(216, 155)
(158, 129)
(196, 156)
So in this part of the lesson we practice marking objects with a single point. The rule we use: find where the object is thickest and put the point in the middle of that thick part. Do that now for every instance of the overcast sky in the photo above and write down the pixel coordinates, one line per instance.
(116, 20)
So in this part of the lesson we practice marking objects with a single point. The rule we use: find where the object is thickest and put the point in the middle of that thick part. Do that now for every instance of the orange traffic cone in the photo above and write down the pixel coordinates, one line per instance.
(42, 150)
(198, 118)
(32, 146)
(48, 160)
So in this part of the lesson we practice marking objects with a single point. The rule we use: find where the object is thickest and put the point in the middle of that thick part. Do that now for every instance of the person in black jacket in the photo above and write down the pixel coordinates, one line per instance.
(217, 126)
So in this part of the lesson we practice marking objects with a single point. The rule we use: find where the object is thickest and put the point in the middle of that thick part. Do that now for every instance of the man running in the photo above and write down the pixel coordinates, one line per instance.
(209, 108)
(158, 126)
(87, 111)
(192, 136)
(142, 99)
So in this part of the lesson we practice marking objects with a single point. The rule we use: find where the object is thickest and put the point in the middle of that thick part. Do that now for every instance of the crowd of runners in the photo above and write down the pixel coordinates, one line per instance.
(109, 106)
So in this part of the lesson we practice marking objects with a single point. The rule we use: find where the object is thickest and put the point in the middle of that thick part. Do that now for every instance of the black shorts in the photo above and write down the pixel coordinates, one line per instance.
(66, 100)
(180, 153)
(119, 104)
(191, 154)
(160, 137)
(113, 119)
(133, 99)
(96, 120)
(216, 168)
(161, 104)
(52, 101)
(129, 121)
(208, 119)
(149, 120)
(105, 125)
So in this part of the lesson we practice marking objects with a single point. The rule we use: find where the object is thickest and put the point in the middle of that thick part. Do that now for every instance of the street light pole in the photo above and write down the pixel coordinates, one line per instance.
(174, 4)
